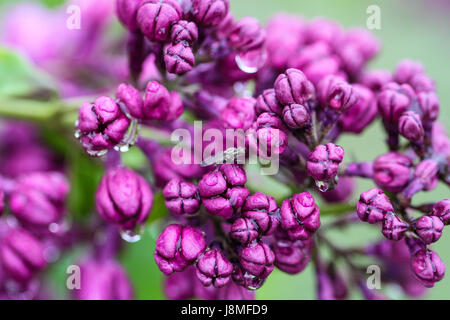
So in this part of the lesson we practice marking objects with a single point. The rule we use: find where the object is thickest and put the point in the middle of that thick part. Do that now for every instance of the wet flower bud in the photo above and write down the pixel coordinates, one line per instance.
(184, 31)
(178, 247)
(336, 93)
(429, 104)
(179, 58)
(246, 35)
(257, 259)
(264, 211)
(292, 256)
(427, 267)
(127, 12)
(131, 99)
(360, 115)
(373, 205)
(410, 126)
(296, 116)
(103, 280)
(38, 200)
(267, 102)
(239, 113)
(244, 231)
(293, 87)
(270, 137)
(393, 227)
(393, 100)
(22, 255)
(102, 125)
(155, 17)
(181, 197)
(392, 171)
(214, 269)
(300, 216)
(429, 228)
(160, 104)
(441, 209)
(222, 190)
(406, 70)
(209, 13)
(323, 161)
(124, 198)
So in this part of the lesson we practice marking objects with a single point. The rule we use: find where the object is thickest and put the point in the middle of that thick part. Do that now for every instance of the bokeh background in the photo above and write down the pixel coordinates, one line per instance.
(415, 29)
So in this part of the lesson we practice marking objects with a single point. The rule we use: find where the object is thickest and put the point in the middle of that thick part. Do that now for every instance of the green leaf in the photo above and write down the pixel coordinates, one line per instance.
(18, 77)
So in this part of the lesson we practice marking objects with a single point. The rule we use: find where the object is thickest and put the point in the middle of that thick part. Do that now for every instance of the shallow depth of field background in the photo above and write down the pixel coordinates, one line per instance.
(409, 29)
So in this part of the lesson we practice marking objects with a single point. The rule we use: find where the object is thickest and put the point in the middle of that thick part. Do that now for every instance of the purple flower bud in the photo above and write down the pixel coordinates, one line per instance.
(124, 198)
(393, 227)
(127, 12)
(257, 259)
(239, 113)
(342, 192)
(410, 126)
(323, 161)
(102, 125)
(293, 87)
(376, 79)
(392, 171)
(179, 58)
(184, 31)
(222, 190)
(244, 231)
(131, 98)
(427, 267)
(214, 269)
(271, 135)
(296, 116)
(38, 200)
(159, 104)
(246, 35)
(300, 216)
(181, 197)
(441, 209)
(429, 104)
(393, 100)
(321, 29)
(292, 256)
(264, 211)
(429, 228)
(209, 13)
(22, 255)
(425, 178)
(360, 115)
(334, 92)
(406, 70)
(422, 83)
(178, 247)
(103, 280)
(180, 285)
(155, 18)
(267, 102)
(373, 205)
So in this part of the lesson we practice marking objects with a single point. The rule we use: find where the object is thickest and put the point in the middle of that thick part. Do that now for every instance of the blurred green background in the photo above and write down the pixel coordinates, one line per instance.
(409, 29)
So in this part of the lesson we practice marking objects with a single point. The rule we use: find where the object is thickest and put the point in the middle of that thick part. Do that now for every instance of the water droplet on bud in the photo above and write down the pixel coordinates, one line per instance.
(132, 236)
(251, 61)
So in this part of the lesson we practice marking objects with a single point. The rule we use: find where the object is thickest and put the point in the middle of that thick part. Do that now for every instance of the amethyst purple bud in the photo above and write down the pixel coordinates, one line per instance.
(177, 247)
(393, 101)
(392, 171)
(213, 268)
(410, 126)
(127, 13)
(184, 31)
(102, 125)
(296, 116)
(323, 162)
(257, 259)
(246, 35)
(179, 58)
(239, 113)
(155, 18)
(124, 198)
(393, 227)
(160, 104)
(293, 87)
(441, 210)
(209, 13)
(425, 178)
(336, 93)
(131, 99)
(429, 228)
(373, 205)
(300, 216)
(264, 211)
(268, 102)
(427, 267)
(271, 136)
(181, 197)
(292, 256)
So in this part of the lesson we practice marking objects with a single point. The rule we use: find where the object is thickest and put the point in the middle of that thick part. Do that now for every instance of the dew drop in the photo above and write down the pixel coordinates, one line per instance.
(322, 186)
(132, 236)
(251, 61)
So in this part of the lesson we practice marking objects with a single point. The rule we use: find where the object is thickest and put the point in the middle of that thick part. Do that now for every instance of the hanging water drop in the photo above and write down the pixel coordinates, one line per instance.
(251, 61)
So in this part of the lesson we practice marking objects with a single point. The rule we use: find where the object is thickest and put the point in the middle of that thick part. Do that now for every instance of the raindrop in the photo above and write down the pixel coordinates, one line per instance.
(322, 186)
(132, 236)
(251, 61)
